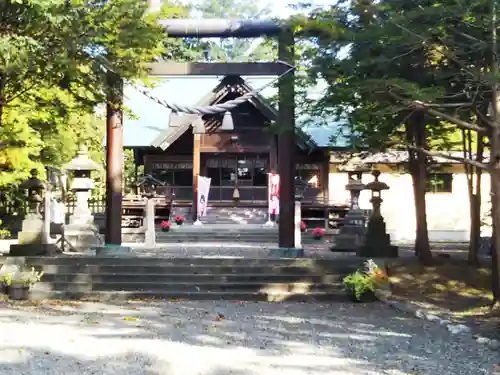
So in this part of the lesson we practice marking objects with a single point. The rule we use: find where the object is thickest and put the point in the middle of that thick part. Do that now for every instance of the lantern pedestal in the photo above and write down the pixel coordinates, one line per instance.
(31, 239)
(377, 241)
(352, 233)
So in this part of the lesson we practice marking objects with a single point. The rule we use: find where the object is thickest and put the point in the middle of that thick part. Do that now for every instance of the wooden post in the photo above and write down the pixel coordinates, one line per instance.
(196, 173)
(273, 154)
(324, 178)
(114, 159)
(286, 143)
(150, 235)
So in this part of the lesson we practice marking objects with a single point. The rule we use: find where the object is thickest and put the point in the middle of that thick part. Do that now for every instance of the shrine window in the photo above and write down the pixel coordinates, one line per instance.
(310, 176)
(173, 174)
(237, 170)
(244, 172)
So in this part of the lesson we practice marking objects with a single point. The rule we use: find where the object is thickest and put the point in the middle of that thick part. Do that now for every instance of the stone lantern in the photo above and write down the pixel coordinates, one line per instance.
(377, 240)
(34, 187)
(81, 167)
(34, 237)
(351, 234)
(354, 187)
(81, 232)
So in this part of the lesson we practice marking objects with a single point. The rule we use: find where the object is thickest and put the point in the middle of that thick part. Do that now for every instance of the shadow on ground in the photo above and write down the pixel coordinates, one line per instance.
(229, 338)
(451, 288)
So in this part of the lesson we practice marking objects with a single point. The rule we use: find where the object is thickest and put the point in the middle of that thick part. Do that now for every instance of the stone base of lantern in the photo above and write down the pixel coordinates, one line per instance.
(377, 241)
(83, 236)
(32, 239)
(33, 250)
(352, 233)
(113, 251)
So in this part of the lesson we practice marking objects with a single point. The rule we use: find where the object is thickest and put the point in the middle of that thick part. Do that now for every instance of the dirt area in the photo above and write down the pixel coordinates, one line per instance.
(451, 289)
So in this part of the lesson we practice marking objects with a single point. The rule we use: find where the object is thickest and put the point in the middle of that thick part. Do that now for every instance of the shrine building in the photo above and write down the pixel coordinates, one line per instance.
(168, 148)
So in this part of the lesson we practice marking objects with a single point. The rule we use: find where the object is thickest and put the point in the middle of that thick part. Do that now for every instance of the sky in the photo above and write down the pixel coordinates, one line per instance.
(279, 8)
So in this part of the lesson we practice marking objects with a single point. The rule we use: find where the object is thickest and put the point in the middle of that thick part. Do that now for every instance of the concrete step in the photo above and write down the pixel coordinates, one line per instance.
(190, 277)
(194, 270)
(226, 240)
(267, 279)
(117, 296)
(185, 287)
(82, 260)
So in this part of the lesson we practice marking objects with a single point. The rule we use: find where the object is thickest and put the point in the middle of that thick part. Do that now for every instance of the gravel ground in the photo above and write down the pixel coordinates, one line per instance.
(187, 338)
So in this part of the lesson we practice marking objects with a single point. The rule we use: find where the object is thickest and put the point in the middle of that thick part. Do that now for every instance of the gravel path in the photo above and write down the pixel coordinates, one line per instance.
(186, 338)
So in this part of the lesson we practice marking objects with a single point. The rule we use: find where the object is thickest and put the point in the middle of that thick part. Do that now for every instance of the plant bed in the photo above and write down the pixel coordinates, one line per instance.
(18, 292)
(17, 284)
(367, 296)
(318, 233)
(361, 285)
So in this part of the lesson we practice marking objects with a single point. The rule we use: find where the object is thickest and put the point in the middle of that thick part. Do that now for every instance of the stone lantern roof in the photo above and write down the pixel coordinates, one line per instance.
(377, 185)
(33, 183)
(82, 162)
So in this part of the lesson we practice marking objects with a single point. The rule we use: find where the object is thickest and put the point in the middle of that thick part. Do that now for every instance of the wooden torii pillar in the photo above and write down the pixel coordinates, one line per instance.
(182, 28)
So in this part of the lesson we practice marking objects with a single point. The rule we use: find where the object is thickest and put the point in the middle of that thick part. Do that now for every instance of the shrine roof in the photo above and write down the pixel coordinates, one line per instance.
(145, 120)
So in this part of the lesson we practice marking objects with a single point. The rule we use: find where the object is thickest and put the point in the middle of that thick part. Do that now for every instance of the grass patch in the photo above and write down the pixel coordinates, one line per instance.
(450, 288)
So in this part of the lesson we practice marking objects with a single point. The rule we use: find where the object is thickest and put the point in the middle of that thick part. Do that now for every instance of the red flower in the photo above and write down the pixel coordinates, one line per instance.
(303, 226)
(165, 224)
(318, 232)
(179, 218)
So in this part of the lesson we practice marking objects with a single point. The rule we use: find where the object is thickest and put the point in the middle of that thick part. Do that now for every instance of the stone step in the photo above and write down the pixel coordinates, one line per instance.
(190, 277)
(82, 260)
(186, 287)
(194, 270)
(245, 279)
(241, 296)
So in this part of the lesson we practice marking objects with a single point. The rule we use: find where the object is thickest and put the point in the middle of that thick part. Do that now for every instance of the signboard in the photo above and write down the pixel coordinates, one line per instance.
(307, 167)
(179, 165)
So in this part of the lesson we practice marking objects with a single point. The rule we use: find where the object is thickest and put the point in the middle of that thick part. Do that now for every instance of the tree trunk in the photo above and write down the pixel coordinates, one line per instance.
(495, 216)
(474, 175)
(415, 133)
(2, 91)
(495, 160)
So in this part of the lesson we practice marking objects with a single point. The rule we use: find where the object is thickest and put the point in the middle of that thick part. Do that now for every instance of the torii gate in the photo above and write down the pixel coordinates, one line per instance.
(212, 28)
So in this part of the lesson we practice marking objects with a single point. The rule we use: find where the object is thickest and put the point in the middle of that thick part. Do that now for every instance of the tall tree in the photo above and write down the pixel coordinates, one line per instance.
(438, 61)
(52, 75)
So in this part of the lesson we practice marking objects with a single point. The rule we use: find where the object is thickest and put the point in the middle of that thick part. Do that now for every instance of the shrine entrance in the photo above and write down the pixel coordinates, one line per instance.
(247, 173)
